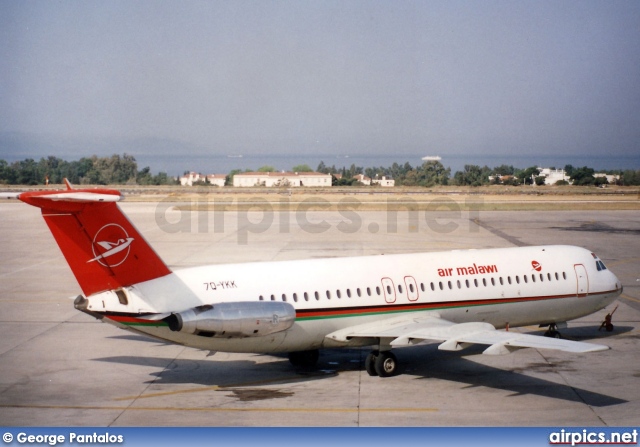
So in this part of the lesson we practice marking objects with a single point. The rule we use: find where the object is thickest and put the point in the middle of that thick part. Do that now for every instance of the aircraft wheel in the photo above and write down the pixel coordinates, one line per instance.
(386, 364)
(553, 334)
(609, 327)
(305, 359)
(370, 363)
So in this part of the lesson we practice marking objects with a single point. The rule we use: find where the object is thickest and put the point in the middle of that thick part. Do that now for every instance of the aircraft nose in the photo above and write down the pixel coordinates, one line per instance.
(618, 283)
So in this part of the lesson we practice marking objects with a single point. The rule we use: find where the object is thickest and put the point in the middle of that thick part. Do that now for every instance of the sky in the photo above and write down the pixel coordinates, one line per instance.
(199, 78)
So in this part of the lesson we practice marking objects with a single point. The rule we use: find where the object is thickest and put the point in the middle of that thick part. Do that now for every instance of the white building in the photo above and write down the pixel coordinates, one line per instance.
(551, 176)
(284, 179)
(611, 179)
(384, 181)
(194, 177)
(363, 179)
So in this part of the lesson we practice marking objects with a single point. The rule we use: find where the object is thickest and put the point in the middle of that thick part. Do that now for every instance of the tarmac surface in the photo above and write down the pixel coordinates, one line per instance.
(60, 367)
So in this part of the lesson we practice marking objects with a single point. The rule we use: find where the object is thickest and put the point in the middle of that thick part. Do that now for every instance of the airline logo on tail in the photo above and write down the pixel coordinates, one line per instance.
(109, 241)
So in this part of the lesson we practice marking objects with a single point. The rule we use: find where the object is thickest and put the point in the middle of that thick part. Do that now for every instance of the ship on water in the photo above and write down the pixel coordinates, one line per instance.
(432, 158)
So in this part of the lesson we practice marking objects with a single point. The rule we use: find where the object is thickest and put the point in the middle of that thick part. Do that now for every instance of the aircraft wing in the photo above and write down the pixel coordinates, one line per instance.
(405, 331)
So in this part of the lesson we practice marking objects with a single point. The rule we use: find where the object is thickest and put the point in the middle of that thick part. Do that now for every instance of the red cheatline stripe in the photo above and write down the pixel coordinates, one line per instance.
(303, 314)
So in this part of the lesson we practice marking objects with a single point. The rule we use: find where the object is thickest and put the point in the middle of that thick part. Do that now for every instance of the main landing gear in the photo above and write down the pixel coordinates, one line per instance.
(553, 332)
(381, 363)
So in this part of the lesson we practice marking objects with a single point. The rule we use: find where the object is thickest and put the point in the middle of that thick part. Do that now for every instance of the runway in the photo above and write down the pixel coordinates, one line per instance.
(59, 367)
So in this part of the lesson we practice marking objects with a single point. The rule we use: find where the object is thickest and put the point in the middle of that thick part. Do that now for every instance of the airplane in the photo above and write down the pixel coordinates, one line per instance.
(457, 298)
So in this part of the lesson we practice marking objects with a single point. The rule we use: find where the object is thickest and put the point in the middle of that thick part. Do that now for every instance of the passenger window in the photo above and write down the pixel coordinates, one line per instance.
(284, 297)
(378, 290)
(541, 277)
(557, 277)
(317, 295)
(526, 279)
(449, 284)
(440, 284)
(328, 295)
(493, 281)
(533, 278)
(399, 289)
(306, 296)
(348, 293)
(422, 286)
(459, 285)
(411, 288)
(484, 282)
(475, 282)
(501, 282)
(466, 282)
(261, 298)
(358, 291)
(433, 287)
(369, 291)
(509, 279)
(338, 294)
(564, 275)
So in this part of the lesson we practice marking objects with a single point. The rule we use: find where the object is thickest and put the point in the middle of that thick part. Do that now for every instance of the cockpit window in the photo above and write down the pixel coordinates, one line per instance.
(600, 265)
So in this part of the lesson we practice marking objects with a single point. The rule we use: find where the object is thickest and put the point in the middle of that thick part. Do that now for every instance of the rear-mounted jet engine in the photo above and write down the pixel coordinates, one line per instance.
(234, 320)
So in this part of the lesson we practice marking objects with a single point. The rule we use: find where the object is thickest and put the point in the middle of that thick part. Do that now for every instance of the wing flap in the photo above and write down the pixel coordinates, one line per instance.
(405, 331)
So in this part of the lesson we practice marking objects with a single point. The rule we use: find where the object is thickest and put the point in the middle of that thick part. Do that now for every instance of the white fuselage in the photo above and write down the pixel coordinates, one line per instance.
(509, 286)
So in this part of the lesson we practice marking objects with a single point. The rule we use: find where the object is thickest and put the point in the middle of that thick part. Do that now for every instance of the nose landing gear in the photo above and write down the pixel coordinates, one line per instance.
(606, 324)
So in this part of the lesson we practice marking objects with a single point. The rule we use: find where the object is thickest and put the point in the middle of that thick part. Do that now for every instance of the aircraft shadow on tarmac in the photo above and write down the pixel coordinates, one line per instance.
(424, 362)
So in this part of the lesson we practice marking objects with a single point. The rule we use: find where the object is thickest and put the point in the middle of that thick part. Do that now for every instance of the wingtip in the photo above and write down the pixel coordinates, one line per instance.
(68, 183)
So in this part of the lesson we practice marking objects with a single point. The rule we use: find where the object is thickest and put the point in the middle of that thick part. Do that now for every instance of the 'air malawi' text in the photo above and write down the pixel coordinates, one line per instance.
(471, 270)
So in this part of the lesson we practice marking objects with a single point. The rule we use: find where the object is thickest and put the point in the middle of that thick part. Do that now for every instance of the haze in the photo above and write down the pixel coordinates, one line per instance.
(313, 77)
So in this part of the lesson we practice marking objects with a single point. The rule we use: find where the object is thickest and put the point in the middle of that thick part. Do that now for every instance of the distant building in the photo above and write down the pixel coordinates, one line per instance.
(552, 176)
(286, 179)
(384, 181)
(611, 179)
(363, 179)
(194, 177)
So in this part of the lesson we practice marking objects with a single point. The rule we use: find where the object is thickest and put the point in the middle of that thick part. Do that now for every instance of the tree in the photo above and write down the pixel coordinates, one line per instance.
(504, 170)
(528, 175)
(631, 177)
(431, 173)
(302, 168)
(583, 176)
(473, 175)
(568, 169)
(267, 169)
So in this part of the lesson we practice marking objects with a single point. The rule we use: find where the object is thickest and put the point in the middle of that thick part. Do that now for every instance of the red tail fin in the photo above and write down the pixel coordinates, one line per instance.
(103, 249)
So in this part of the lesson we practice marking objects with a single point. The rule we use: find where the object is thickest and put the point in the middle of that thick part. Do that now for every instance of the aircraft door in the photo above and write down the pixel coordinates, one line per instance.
(582, 280)
(389, 290)
(412, 288)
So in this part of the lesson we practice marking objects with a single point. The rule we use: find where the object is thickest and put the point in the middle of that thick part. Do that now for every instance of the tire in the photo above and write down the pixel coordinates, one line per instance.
(386, 364)
(370, 363)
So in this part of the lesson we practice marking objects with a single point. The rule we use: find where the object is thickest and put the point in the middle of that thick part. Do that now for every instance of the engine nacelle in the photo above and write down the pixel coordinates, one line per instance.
(237, 319)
